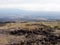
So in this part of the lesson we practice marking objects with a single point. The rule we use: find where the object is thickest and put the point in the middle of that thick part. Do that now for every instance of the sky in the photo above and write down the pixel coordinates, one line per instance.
(34, 5)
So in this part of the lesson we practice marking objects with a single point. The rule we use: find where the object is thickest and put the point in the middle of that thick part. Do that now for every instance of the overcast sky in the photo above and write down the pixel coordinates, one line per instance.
(35, 5)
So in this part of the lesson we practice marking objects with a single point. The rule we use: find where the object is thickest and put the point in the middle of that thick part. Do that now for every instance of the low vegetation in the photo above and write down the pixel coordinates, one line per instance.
(30, 33)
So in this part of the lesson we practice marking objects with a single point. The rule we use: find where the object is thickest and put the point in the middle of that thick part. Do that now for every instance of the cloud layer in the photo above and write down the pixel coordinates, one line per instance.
(35, 5)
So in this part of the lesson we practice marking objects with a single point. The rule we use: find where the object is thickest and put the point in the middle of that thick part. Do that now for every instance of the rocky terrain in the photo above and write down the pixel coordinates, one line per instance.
(40, 35)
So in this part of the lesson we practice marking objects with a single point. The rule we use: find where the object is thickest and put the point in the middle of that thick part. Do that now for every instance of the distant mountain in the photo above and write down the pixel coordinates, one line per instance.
(26, 15)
